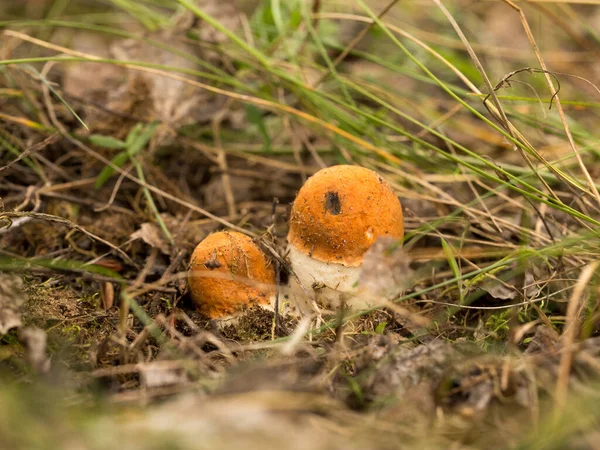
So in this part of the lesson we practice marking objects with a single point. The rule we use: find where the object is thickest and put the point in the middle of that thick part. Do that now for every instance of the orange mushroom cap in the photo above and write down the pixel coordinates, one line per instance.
(341, 211)
(228, 271)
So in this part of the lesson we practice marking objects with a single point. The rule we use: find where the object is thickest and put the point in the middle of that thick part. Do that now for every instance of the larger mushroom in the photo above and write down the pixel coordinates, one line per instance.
(228, 272)
(337, 215)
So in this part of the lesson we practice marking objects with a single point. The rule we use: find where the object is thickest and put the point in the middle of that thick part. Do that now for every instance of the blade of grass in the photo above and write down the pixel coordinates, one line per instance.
(218, 74)
(303, 115)
(262, 59)
(556, 97)
(521, 141)
(362, 143)
(151, 204)
(492, 93)
(451, 259)
(43, 79)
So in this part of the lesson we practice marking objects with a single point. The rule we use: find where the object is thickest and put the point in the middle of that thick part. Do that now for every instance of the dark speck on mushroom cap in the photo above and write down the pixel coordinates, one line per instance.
(332, 203)
(213, 262)
(228, 271)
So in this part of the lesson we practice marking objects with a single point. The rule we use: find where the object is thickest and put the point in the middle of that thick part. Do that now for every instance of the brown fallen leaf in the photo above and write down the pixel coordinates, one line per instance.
(150, 233)
(498, 290)
(107, 294)
(91, 80)
(173, 101)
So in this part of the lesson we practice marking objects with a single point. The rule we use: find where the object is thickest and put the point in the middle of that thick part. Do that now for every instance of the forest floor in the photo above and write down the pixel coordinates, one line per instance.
(130, 130)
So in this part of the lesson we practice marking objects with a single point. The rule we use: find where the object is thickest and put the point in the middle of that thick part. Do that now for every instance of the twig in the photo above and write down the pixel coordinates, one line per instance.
(33, 149)
(114, 192)
(222, 159)
(8, 216)
(146, 269)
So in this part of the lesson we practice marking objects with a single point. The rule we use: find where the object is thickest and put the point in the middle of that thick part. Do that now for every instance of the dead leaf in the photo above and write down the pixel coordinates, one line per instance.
(498, 290)
(162, 373)
(225, 12)
(107, 294)
(173, 101)
(91, 80)
(531, 287)
(12, 298)
(385, 271)
(544, 340)
(151, 234)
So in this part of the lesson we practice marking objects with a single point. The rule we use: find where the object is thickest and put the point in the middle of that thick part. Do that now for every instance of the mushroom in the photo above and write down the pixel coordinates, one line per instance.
(228, 272)
(337, 215)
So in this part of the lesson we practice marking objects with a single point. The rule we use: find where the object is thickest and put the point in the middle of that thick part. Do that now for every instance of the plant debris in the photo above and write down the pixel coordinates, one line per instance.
(131, 131)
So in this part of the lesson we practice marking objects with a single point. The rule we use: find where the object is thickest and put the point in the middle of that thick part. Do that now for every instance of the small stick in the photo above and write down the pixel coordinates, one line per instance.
(8, 216)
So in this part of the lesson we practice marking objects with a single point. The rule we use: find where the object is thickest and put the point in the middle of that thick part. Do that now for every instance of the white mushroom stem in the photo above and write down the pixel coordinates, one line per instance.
(329, 283)
(337, 277)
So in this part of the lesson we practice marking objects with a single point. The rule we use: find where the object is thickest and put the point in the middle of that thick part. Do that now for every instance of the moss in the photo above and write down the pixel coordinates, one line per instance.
(73, 321)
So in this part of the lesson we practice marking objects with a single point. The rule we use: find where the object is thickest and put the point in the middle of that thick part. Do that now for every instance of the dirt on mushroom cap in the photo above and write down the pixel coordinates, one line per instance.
(341, 211)
(228, 272)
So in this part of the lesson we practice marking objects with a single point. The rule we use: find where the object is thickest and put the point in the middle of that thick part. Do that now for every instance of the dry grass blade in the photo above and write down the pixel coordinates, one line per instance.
(222, 159)
(359, 37)
(33, 149)
(234, 95)
(498, 111)
(554, 93)
(454, 339)
(8, 216)
(502, 115)
(576, 305)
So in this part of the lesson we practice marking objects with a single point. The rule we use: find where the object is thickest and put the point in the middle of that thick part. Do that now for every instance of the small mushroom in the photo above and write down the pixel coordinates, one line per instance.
(228, 272)
(337, 215)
